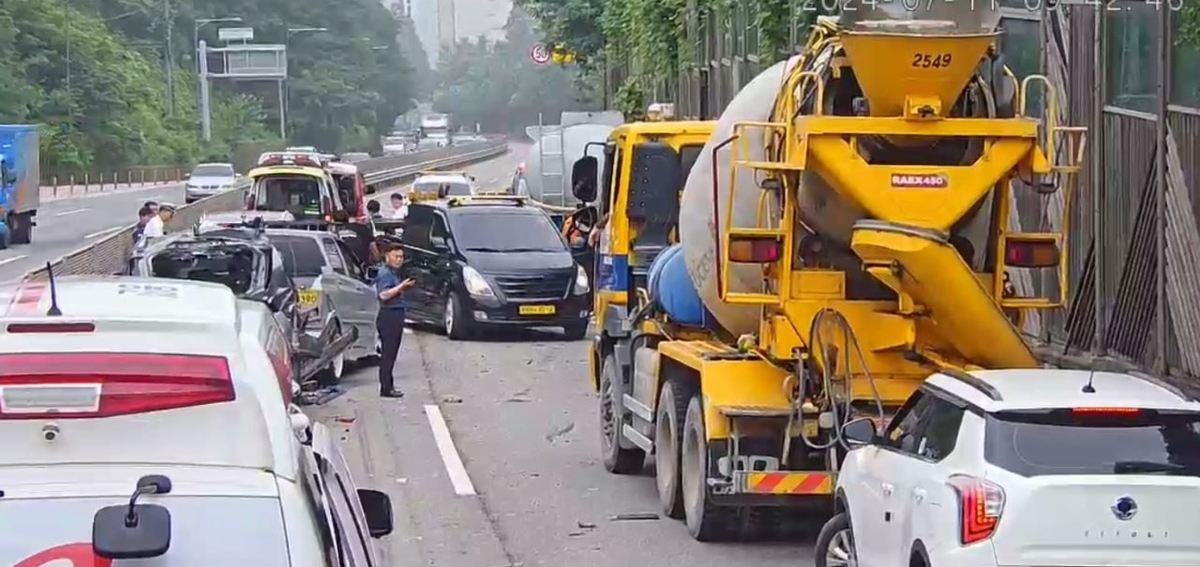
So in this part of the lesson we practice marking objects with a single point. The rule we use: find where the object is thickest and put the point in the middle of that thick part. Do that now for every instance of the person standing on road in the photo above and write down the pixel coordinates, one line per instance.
(399, 207)
(156, 226)
(390, 322)
(144, 216)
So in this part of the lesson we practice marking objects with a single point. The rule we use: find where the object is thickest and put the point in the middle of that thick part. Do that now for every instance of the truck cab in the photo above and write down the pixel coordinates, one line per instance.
(636, 195)
(20, 183)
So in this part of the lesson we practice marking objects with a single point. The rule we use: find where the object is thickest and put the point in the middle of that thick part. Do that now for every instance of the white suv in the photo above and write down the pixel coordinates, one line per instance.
(1022, 468)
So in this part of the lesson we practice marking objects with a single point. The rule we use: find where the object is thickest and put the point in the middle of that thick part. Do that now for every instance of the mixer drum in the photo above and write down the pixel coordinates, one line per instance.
(822, 209)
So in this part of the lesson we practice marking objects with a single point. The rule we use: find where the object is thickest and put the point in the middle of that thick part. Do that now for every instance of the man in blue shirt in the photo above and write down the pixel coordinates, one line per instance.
(390, 323)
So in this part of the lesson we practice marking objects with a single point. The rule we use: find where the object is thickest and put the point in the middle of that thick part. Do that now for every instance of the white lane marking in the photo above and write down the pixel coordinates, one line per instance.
(450, 458)
(105, 231)
(74, 212)
(11, 260)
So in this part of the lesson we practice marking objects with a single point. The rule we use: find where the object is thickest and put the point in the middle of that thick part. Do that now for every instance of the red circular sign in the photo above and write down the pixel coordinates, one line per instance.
(540, 54)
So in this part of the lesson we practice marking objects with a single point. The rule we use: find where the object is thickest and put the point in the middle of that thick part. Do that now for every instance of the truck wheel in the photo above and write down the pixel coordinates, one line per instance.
(705, 520)
(835, 543)
(617, 460)
(20, 229)
(668, 436)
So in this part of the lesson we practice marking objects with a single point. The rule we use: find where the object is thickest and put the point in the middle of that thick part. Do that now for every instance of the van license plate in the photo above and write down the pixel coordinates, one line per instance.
(536, 310)
(308, 297)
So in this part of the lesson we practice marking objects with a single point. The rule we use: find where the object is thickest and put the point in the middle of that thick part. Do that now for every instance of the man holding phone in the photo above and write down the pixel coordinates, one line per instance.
(390, 322)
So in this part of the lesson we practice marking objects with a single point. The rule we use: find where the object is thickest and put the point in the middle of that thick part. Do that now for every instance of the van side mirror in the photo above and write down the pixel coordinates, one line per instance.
(439, 243)
(372, 272)
(187, 176)
(584, 181)
(377, 507)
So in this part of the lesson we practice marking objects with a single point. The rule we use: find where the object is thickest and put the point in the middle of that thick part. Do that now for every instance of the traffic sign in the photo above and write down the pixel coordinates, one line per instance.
(540, 54)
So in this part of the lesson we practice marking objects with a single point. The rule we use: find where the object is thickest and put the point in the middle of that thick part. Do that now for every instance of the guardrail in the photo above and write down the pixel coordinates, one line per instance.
(109, 255)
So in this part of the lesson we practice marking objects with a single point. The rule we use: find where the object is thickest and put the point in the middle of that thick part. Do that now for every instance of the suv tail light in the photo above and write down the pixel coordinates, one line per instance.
(980, 504)
(87, 385)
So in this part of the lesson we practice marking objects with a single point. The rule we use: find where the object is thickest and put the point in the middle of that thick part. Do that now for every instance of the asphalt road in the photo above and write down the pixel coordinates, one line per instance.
(492, 459)
(65, 225)
(520, 416)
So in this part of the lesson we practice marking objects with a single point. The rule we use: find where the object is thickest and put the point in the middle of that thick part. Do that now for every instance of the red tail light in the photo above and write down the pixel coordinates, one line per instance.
(1104, 411)
(51, 328)
(754, 250)
(980, 504)
(88, 385)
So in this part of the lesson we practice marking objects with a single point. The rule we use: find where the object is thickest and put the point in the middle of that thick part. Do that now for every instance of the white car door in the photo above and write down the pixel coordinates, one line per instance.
(883, 500)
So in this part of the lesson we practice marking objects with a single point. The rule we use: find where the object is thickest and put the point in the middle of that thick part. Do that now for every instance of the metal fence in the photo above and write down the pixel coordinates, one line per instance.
(109, 255)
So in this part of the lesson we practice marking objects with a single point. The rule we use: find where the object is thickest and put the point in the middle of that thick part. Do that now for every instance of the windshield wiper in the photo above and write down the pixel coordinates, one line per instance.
(1138, 467)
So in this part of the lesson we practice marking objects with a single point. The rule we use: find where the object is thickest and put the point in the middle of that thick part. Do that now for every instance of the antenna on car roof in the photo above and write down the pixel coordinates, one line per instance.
(54, 311)
(1088, 388)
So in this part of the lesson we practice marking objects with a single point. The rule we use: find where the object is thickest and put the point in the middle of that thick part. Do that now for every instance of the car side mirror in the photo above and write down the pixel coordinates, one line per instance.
(584, 182)
(372, 273)
(377, 507)
(187, 176)
(860, 432)
(439, 243)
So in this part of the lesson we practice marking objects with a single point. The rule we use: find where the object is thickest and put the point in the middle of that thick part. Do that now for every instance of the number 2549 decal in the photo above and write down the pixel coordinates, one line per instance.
(931, 60)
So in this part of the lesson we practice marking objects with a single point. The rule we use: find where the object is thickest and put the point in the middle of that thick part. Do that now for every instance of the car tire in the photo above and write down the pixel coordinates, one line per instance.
(454, 321)
(332, 375)
(705, 521)
(576, 332)
(617, 459)
(835, 543)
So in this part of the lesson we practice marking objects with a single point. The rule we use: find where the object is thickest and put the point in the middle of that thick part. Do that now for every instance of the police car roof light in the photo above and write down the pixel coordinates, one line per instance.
(78, 385)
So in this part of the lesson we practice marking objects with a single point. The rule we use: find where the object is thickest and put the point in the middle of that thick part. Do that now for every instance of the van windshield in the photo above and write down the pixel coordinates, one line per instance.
(297, 194)
(480, 231)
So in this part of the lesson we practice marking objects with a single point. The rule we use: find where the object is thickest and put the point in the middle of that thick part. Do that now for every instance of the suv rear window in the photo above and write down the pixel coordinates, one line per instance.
(302, 256)
(1062, 441)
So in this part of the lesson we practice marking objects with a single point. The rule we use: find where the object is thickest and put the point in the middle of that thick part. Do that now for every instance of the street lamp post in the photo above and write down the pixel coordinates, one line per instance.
(201, 22)
(285, 92)
(202, 71)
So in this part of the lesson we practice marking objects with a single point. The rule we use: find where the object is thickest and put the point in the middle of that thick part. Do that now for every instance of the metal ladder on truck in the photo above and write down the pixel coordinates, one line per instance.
(552, 159)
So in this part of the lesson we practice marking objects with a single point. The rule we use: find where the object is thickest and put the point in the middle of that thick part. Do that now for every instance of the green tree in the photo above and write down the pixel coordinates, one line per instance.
(93, 75)
(498, 86)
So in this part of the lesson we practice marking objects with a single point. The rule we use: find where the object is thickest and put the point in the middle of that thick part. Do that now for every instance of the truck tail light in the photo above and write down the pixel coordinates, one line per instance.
(754, 250)
(980, 505)
(63, 385)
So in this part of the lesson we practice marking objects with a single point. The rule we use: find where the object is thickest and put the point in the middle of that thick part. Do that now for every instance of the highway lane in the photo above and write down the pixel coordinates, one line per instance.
(492, 459)
(65, 225)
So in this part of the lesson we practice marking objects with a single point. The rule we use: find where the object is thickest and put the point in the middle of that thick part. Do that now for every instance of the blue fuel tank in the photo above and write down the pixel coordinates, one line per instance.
(671, 288)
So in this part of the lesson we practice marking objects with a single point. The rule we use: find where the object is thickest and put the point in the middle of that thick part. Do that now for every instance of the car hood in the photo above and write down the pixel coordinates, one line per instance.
(219, 181)
(517, 262)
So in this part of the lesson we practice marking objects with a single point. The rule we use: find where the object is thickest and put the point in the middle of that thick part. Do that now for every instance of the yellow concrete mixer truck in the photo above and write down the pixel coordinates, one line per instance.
(843, 235)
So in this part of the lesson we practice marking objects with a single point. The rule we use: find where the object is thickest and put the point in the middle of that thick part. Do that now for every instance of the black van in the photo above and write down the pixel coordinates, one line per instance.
(494, 262)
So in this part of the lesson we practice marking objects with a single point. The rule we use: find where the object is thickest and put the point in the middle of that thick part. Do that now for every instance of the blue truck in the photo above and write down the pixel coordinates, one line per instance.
(20, 183)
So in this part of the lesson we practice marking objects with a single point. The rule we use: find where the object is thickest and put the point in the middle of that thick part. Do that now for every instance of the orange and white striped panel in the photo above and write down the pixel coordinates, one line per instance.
(789, 483)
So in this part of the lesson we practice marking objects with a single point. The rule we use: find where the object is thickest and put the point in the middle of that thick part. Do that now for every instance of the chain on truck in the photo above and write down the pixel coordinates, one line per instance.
(843, 235)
